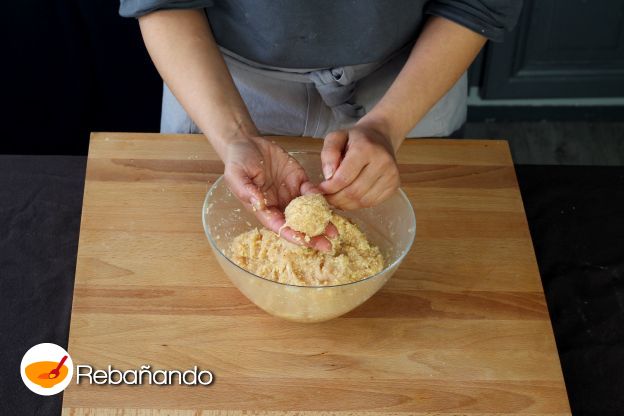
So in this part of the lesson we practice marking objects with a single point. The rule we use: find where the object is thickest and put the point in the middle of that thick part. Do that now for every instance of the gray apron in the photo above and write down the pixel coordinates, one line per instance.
(314, 102)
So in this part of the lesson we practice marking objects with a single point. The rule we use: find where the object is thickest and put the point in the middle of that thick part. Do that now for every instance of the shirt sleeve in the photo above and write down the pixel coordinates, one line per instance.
(137, 8)
(490, 18)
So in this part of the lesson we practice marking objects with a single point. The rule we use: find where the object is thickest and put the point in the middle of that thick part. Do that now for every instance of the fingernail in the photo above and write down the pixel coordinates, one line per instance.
(328, 172)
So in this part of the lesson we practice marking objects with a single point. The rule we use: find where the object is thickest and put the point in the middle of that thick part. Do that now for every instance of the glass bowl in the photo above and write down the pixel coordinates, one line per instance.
(391, 226)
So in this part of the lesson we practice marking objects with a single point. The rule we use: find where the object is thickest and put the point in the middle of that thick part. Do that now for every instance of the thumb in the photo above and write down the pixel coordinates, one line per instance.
(308, 187)
(244, 189)
(331, 154)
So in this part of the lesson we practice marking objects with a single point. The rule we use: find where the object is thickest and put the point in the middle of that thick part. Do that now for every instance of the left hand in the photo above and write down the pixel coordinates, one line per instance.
(265, 178)
(360, 168)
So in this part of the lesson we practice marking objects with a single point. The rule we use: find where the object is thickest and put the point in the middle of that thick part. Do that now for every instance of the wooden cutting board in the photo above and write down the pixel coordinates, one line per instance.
(461, 328)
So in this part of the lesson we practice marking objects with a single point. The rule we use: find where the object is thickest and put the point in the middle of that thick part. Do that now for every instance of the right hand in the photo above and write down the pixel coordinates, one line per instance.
(265, 178)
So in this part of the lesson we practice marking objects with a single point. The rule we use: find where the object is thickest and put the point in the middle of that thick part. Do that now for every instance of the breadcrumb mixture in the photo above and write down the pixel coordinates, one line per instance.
(308, 214)
(264, 253)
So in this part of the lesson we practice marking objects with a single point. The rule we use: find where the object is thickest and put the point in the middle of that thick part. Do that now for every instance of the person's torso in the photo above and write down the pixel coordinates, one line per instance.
(315, 34)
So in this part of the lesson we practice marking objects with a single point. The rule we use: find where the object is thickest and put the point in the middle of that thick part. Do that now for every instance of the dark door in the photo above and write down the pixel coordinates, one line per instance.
(560, 48)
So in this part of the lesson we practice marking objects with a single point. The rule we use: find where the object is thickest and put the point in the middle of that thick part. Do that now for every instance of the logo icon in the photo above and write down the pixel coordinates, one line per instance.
(47, 369)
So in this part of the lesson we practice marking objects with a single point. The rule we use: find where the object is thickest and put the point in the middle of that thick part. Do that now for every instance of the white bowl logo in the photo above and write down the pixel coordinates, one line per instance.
(47, 369)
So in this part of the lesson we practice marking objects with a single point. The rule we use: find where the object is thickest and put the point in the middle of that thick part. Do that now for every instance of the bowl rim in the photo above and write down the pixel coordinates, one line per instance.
(371, 277)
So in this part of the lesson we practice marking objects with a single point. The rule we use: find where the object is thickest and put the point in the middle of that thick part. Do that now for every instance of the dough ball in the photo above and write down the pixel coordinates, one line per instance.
(308, 214)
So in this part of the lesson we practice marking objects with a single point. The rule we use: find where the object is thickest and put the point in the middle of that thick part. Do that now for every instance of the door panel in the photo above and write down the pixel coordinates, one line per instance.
(560, 48)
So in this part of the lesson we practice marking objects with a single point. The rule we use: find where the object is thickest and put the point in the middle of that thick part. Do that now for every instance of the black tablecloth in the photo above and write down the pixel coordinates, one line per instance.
(40, 204)
(576, 216)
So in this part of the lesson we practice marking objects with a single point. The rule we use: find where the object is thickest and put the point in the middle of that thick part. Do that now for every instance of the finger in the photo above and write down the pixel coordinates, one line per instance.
(319, 243)
(293, 175)
(244, 189)
(308, 188)
(347, 172)
(333, 147)
(292, 236)
(331, 231)
(351, 196)
(342, 202)
(270, 217)
(380, 191)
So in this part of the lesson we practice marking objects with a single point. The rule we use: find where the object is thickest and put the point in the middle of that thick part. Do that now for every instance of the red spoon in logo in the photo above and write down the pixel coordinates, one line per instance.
(54, 373)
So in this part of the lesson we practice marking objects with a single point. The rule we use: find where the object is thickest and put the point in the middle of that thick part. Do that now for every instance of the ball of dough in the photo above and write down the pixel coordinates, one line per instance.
(308, 214)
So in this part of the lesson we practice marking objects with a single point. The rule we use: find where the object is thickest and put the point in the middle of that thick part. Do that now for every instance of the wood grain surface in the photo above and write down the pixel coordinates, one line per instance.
(461, 328)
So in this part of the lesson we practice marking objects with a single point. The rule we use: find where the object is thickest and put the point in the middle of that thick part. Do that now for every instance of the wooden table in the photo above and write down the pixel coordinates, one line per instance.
(461, 328)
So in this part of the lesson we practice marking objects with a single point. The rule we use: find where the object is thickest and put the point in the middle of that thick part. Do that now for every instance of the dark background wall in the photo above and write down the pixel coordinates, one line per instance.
(560, 49)
(71, 67)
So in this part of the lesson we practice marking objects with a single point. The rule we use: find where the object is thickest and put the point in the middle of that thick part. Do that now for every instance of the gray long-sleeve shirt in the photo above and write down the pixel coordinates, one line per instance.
(328, 33)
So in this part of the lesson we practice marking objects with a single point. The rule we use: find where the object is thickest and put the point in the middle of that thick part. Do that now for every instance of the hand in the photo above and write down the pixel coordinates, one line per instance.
(265, 178)
(359, 167)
